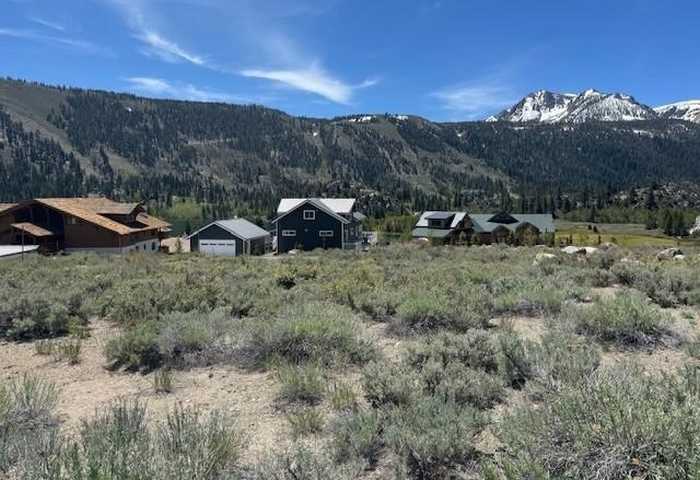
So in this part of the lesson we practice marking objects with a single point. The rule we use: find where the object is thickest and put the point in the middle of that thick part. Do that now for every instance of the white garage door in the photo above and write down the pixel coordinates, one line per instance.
(225, 248)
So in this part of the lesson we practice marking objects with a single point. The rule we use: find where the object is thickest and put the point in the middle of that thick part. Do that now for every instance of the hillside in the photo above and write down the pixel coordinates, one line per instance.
(61, 141)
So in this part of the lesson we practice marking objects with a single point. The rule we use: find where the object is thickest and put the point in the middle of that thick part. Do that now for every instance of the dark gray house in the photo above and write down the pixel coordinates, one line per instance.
(484, 228)
(231, 238)
(309, 223)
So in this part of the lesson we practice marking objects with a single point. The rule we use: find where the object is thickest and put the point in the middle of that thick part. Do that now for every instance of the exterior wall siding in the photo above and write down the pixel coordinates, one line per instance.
(307, 231)
(215, 232)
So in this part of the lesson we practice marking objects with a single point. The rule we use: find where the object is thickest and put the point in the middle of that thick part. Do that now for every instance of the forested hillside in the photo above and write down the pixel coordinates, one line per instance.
(61, 141)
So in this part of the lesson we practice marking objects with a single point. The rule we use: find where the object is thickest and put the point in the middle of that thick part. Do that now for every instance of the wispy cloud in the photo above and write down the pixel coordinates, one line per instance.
(475, 99)
(313, 80)
(35, 36)
(48, 24)
(159, 87)
(155, 43)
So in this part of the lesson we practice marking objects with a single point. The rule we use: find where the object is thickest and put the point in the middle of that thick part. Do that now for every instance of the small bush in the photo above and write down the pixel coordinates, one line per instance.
(163, 381)
(302, 463)
(301, 383)
(514, 364)
(387, 385)
(135, 348)
(619, 423)
(311, 332)
(44, 347)
(342, 397)
(627, 320)
(69, 351)
(475, 349)
(423, 312)
(455, 383)
(358, 435)
(434, 438)
(305, 421)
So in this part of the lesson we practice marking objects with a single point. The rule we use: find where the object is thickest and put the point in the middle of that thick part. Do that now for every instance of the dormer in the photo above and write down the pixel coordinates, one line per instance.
(503, 218)
(440, 219)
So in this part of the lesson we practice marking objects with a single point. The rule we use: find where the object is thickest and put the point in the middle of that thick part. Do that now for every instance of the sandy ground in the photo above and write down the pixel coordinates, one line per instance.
(90, 386)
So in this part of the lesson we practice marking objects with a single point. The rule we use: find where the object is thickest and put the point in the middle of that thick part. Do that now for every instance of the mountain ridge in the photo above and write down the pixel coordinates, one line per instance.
(591, 105)
(65, 141)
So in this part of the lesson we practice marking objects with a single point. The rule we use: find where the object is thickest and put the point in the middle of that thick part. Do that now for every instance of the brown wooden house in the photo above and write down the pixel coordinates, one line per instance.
(78, 224)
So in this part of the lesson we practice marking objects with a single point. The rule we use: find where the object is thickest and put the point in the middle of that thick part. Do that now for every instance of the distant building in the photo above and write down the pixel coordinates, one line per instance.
(77, 224)
(310, 223)
(230, 238)
(484, 228)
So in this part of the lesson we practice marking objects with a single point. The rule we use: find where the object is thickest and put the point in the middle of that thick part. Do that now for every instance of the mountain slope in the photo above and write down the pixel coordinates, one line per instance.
(57, 141)
(689, 111)
(549, 107)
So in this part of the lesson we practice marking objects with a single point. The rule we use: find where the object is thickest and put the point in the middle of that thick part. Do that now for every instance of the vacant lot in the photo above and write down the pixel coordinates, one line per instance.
(404, 362)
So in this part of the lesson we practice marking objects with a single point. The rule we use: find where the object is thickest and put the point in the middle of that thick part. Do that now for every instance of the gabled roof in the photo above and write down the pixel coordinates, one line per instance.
(458, 217)
(114, 208)
(88, 209)
(240, 227)
(320, 203)
(543, 221)
(337, 205)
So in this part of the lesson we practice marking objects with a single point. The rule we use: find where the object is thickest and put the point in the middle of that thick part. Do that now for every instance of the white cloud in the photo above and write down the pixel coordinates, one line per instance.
(159, 87)
(54, 40)
(47, 23)
(475, 100)
(154, 42)
(167, 50)
(312, 80)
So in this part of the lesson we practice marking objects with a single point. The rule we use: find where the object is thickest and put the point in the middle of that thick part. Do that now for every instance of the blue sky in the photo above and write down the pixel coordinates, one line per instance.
(441, 59)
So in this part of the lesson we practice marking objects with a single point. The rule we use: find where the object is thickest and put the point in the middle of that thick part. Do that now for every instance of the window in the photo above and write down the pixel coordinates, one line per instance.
(289, 233)
(309, 214)
(72, 221)
(325, 233)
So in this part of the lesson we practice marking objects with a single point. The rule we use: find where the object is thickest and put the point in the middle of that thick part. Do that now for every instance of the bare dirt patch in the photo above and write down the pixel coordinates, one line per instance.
(90, 386)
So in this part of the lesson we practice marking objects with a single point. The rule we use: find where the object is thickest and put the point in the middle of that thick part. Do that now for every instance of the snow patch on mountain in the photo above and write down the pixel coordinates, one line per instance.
(688, 110)
(591, 105)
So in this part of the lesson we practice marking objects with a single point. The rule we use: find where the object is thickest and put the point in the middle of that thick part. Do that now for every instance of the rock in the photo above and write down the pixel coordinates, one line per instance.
(668, 253)
(571, 250)
(679, 257)
(543, 257)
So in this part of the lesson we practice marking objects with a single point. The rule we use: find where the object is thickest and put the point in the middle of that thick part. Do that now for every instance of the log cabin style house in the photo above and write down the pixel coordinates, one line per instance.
(81, 224)
(484, 228)
(310, 223)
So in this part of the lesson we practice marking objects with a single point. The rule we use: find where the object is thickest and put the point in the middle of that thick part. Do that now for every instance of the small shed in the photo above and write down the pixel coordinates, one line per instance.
(231, 238)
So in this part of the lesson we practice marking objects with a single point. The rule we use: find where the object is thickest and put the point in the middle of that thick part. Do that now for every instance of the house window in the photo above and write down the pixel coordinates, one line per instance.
(325, 233)
(72, 221)
(289, 233)
(309, 214)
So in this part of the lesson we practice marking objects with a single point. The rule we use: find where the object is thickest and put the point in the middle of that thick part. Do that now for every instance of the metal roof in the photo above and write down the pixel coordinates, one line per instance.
(316, 202)
(13, 250)
(240, 227)
(423, 220)
(543, 221)
(431, 232)
(440, 215)
(337, 205)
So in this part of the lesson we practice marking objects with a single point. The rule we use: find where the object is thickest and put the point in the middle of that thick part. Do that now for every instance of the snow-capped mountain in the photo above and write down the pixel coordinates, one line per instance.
(549, 107)
(689, 110)
(539, 106)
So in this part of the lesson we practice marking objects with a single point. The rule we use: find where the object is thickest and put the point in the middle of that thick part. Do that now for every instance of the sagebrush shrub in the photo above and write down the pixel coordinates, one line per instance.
(626, 319)
(305, 421)
(619, 423)
(317, 332)
(475, 349)
(435, 439)
(386, 385)
(358, 435)
(301, 383)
